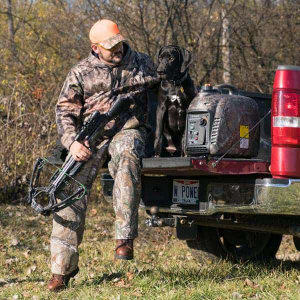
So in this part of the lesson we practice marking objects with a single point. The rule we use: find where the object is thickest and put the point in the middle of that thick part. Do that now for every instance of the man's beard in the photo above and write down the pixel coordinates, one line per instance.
(115, 59)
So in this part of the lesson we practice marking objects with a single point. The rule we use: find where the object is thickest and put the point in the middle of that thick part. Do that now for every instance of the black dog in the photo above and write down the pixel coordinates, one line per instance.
(175, 93)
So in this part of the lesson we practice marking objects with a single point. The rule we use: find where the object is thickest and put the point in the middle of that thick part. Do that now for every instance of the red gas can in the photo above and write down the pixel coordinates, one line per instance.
(285, 155)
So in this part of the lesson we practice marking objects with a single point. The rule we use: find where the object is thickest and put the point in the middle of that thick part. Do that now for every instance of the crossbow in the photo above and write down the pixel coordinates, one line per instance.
(63, 189)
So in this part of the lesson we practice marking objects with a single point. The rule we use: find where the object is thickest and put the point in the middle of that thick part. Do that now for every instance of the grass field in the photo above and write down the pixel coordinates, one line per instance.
(163, 267)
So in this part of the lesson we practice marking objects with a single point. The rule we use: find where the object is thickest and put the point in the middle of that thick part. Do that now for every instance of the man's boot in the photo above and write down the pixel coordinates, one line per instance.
(60, 282)
(124, 249)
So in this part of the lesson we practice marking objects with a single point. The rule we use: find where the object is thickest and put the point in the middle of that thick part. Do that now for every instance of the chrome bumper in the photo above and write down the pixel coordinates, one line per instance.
(271, 197)
(278, 196)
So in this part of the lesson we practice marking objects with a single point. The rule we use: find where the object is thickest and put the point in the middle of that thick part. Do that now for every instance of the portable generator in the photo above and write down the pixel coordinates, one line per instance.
(220, 120)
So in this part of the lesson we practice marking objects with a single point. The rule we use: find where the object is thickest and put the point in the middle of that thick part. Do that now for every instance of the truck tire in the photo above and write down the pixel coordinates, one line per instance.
(214, 244)
(206, 248)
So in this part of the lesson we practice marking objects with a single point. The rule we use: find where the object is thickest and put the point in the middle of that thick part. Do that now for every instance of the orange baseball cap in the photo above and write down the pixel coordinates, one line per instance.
(105, 33)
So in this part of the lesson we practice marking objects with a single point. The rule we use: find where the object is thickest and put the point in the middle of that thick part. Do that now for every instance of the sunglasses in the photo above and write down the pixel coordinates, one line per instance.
(117, 46)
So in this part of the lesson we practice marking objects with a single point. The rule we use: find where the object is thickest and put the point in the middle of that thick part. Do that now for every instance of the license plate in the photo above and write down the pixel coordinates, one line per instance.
(185, 191)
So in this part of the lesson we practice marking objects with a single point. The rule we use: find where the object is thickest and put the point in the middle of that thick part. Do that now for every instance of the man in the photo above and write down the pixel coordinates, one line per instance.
(112, 69)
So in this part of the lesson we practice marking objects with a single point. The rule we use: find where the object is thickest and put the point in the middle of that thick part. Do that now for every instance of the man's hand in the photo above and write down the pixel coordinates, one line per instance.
(80, 152)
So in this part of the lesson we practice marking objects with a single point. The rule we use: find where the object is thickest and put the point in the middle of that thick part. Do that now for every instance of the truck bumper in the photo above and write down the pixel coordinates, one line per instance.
(277, 196)
(269, 197)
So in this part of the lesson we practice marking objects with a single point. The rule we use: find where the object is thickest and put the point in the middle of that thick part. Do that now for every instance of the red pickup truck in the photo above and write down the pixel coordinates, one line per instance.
(237, 189)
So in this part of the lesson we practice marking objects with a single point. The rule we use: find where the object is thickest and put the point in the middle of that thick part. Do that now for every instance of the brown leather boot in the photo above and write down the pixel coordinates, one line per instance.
(60, 282)
(124, 249)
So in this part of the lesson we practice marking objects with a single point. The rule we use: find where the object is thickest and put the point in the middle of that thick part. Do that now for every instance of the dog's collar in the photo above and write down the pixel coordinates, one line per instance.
(176, 82)
(182, 79)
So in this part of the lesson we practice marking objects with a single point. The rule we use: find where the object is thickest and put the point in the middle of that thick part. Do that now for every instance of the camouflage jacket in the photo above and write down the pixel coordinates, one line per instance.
(92, 85)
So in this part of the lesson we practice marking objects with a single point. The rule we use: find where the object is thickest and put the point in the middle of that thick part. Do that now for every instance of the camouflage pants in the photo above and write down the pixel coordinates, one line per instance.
(126, 149)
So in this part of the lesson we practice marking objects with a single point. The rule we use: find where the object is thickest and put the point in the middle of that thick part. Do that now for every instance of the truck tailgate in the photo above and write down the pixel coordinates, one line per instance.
(188, 166)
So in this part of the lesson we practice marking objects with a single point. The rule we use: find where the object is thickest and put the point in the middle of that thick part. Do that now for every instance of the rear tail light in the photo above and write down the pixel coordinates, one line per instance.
(286, 103)
(285, 157)
(286, 118)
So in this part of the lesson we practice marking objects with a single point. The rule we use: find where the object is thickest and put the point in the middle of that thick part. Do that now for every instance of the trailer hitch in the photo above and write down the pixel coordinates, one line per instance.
(156, 221)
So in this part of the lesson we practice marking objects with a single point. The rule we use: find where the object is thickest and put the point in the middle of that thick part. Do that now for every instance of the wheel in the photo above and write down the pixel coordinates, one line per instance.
(213, 244)
(206, 248)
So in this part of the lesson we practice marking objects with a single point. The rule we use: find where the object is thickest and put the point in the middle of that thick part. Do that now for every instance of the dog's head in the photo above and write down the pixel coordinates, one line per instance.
(172, 62)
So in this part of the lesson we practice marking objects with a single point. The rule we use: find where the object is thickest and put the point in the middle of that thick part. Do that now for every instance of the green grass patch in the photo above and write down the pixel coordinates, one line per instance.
(163, 267)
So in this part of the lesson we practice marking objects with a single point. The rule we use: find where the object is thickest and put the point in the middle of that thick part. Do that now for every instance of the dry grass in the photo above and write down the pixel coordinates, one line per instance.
(163, 267)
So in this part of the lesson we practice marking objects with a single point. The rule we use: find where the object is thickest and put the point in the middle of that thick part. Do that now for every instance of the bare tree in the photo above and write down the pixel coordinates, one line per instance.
(226, 47)
(240, 37)
(11, 29)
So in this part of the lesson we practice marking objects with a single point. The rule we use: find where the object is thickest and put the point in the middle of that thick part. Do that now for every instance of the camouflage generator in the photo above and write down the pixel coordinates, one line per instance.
(219, 121)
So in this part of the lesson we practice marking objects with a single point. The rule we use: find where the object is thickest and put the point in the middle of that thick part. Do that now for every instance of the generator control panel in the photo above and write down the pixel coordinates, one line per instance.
(197, 133)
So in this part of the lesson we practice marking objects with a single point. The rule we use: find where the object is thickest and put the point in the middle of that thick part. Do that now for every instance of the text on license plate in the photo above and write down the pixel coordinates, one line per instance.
(185, 191)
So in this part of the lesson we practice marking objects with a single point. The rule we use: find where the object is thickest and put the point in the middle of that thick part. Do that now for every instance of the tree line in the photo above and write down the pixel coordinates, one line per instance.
(240, 42)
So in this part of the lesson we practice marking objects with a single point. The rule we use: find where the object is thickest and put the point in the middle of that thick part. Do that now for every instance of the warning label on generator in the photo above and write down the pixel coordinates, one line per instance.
(244, 137)
(244, 143)
(244, 132)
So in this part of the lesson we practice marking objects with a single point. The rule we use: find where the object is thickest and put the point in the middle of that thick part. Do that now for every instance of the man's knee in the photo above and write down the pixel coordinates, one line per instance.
(127, 141)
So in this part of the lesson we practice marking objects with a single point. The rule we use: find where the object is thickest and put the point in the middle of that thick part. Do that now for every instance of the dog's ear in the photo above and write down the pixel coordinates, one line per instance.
(186, 59)
(158, 53)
